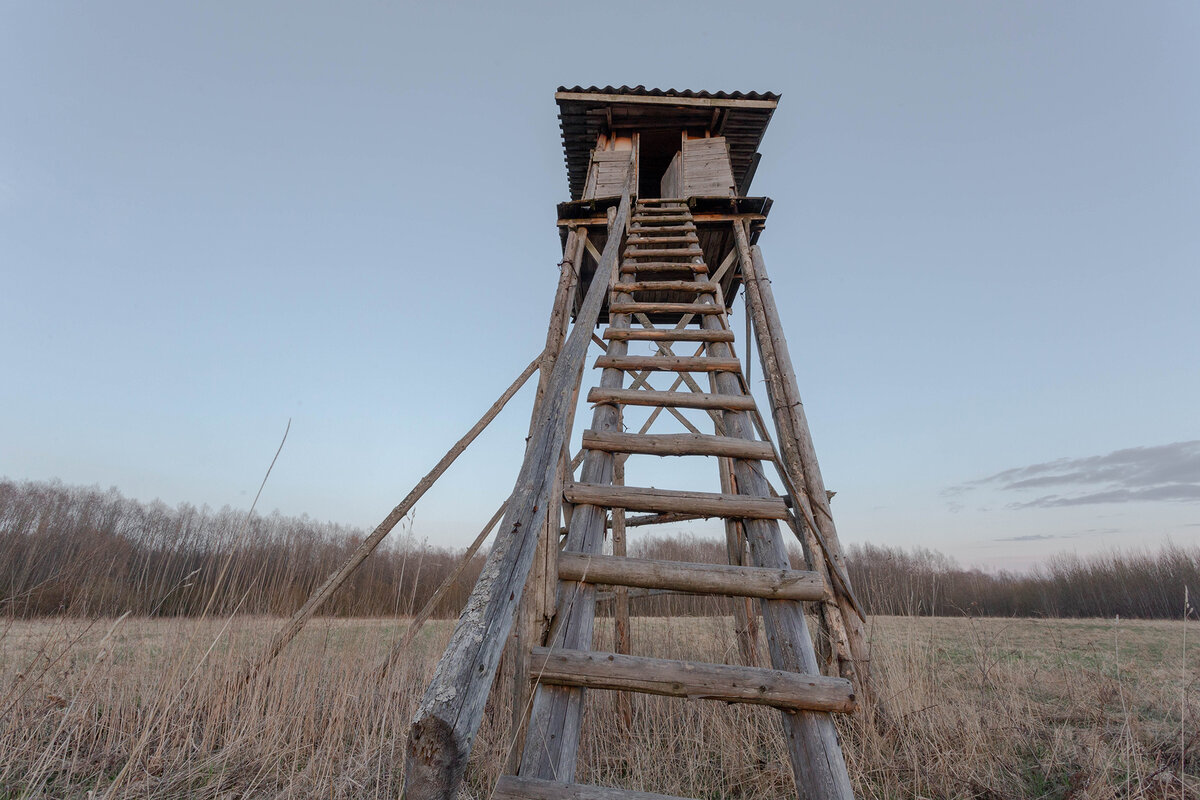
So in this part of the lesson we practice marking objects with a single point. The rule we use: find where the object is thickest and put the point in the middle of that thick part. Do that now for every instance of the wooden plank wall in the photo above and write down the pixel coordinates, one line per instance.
(706, 170)
(609, 168)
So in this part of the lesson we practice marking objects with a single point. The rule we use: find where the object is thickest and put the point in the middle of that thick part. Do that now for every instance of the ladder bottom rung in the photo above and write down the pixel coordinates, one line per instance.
(693, 287)
(639, 229)
(512, 787)
(654, 398)
(677, 444)
(632, 498)
(662, 266)
(692, 679)
(655, 251)
(663, 308)
(681, 576)
(668, 335)
(670, 363)
(662, 217)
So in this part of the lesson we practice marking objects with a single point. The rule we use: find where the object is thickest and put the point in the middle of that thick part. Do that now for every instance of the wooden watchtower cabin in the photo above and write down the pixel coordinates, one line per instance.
(659, 237)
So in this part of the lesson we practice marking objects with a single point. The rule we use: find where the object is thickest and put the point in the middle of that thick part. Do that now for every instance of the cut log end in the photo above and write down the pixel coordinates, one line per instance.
(435, 762)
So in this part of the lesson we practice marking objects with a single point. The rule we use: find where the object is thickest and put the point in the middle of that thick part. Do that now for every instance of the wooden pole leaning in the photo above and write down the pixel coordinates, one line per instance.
(293, 626)
(537, 603)
(557, 712)
(448, 717)
(800, 461)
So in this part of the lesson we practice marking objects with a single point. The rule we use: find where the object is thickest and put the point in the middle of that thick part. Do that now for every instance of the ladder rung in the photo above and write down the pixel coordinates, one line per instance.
(677, 444)
(512, 787)
(640, 217)
(664, 308)
(668, 335)
(636, 238)
(692, 679)
(699, 287)
(670, 363)
(640, 229)
(662, 266)
(681, 576)
(633, 498)
(647, 397)
(633, 251)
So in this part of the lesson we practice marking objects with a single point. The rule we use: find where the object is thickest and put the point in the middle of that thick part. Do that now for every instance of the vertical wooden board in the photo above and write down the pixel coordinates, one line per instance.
(706, 168)
(672, 182)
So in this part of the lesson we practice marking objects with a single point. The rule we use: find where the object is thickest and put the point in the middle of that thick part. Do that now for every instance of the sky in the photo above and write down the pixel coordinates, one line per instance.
(984, 245)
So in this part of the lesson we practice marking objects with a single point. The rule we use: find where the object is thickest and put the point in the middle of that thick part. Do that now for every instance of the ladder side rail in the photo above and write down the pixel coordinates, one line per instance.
(817, 761)
(552, 734)
(799, 457)
(448, 717)
(537, 604)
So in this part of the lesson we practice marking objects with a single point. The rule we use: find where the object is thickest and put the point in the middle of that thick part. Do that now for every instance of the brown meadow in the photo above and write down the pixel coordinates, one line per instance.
(976, 708)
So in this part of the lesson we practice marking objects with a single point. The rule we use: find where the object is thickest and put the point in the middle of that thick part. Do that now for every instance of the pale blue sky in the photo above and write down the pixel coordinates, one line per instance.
(984, 246)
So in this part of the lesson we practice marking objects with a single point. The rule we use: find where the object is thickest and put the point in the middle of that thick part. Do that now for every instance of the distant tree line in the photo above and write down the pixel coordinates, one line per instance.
(83, 551)
(1130, 583)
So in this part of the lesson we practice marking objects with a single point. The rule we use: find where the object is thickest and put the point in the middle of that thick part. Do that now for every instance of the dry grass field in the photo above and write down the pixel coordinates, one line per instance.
(978, 708)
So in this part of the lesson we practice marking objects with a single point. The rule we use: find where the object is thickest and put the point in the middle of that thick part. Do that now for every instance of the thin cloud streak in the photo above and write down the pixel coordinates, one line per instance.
(1161, 473)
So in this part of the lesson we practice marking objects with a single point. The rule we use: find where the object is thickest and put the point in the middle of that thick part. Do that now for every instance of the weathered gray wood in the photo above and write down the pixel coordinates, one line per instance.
(642, 228)
(668, 335)
(537, 603)
(652, 218)
(800, 461)
(816, 755)
(663, 500)
(721, 579)
(634, 251)
(665, 308)
(692, 679)
(636, 238)
(745, 620)
(697, 287)
(511, 787)
(706, 168)
(622, 643)
(631, 267)
(650, 397)
(660, 519)
(449, 714)
(677, 444)
(670, 363)
(552, 735)
(293, 626)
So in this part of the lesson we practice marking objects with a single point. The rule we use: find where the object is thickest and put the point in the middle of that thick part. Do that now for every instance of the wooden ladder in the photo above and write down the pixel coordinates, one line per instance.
(662, 255)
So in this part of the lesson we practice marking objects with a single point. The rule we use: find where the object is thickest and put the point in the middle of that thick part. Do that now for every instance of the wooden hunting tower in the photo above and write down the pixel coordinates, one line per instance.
(658, 240)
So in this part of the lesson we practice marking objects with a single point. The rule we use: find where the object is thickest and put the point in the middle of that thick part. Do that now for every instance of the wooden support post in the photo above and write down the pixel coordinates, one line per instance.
(816, 755)
(745, 622)
(334, 581)
(621, 643)
(448, 717)
(557, 713)
(537, 604)
(846, 631)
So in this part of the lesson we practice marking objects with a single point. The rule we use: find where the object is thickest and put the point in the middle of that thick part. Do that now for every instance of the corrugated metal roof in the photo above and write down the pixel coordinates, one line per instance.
(644, 92)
